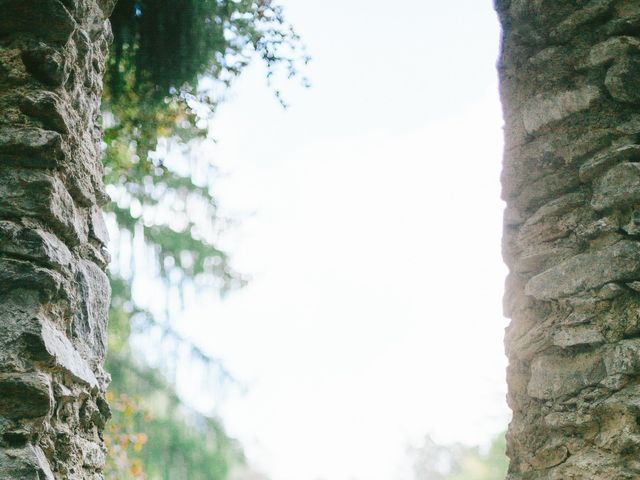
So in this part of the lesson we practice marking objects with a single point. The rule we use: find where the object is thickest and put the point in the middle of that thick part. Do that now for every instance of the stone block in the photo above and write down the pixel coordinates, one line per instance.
(98, 227)
(25, 395)
(586, 271)
(46, 64)
(50, 109)
(22, 274)
(556, 375)
(623, 80)
(90, 321)
(34, 244)
(47, 19)
(619, 186)
(31, 147)
(93, 455)
(34, 193)
(601, 162)
(28, 463)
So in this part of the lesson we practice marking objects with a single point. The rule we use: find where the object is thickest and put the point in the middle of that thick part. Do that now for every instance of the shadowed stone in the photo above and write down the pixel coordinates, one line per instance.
(25, 395)
(34, 244)
(50, 109)
(612, 49)
(98, 227)
(570, 89)
(571, 336)
(34, 193)
(600, 163)
(588, 13)
(53, 297)
(48, 19)
(22, 274)
(41, 148)
(623, 80)
(46, 64)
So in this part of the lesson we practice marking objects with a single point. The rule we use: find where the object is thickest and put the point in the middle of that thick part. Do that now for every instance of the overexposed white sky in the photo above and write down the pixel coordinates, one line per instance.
(371, 223)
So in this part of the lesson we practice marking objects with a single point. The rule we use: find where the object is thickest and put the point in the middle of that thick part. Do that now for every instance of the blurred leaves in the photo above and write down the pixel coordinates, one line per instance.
(171, 62)
(431, 461)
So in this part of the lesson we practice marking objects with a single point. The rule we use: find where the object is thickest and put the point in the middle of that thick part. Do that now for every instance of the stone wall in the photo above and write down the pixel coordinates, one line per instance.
(54, 293)
(570, 85)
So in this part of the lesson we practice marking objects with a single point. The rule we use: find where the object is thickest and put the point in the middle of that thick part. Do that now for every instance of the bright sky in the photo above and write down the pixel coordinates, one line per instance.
(371, 225)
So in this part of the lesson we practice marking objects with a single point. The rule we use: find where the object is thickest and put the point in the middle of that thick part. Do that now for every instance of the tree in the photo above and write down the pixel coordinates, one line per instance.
(155, 105)
(569, 75)
(54, 293)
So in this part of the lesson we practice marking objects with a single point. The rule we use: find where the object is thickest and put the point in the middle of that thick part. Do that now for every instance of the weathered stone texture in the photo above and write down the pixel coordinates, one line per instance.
(570, 87)
(54, 293)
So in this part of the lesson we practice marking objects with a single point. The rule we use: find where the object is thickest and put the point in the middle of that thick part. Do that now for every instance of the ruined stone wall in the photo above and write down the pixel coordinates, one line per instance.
(54, 293)
(570, 85)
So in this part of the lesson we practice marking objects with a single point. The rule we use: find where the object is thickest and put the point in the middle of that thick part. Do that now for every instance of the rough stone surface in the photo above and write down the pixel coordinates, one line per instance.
(586, 271)
(623, 79)
(570, 88)
(544, 109)
(54, 293)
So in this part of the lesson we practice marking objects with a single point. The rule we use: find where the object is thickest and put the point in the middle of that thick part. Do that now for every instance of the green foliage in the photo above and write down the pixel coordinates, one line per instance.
(459, 462)
(153, 105)
(154, 436)
(156, 111)
(165, 45)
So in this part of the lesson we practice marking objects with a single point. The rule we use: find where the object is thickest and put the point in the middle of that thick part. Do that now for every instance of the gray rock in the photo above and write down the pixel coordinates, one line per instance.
(50, 109)
(46, 64)
(603, 161)
(92, 454)
(620, 185)
(545, 109)
(623, 358)
(53, 297)
(612, 49)
(34, 244)
(52, 346)
(623, 80)
(24, 275)
(571, 336)
(49, 18)
(90, 321)
(556, 375)
(26, 395)
(34, 193)
(619, 262)
(42, 148)
(98, 227)
(587, 13)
